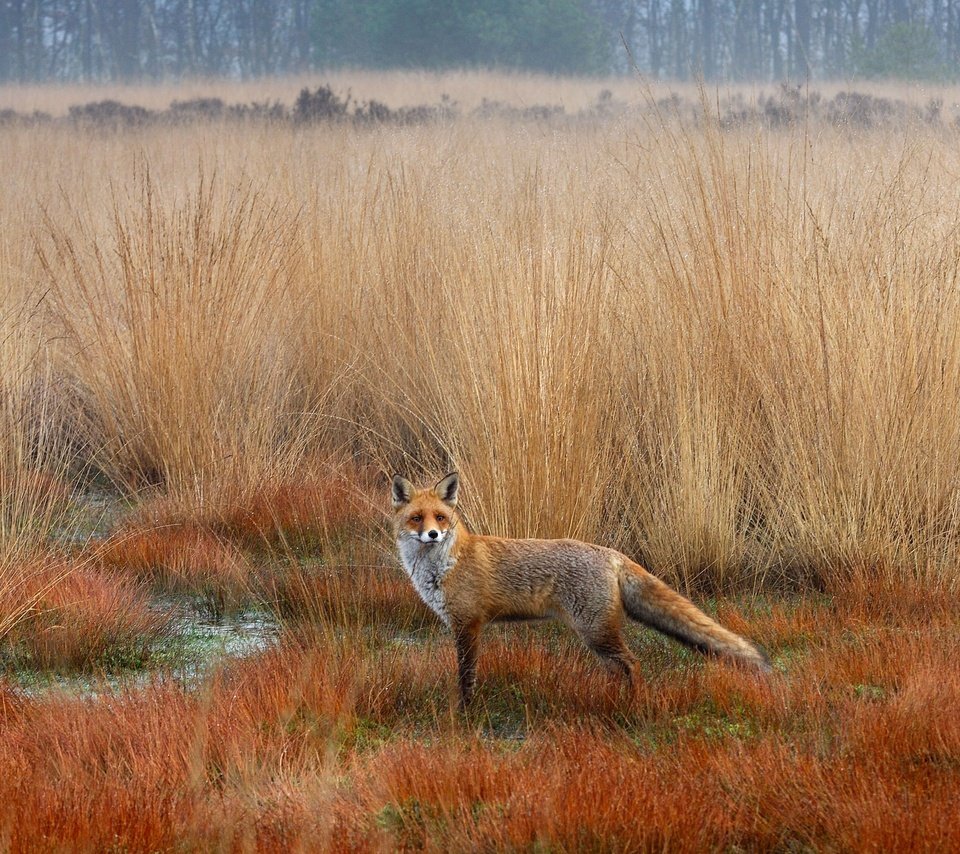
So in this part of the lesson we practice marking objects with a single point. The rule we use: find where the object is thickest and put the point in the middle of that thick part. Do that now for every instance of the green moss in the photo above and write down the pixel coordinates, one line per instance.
(869, 692)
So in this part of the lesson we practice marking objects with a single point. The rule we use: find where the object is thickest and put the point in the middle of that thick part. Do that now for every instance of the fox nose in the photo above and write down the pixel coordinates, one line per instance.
(433, 535)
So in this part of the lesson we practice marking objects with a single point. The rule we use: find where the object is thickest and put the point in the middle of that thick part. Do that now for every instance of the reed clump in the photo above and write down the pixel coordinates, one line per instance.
(691, 341)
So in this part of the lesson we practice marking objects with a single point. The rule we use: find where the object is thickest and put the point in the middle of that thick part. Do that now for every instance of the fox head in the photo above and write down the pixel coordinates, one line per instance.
(425, 514)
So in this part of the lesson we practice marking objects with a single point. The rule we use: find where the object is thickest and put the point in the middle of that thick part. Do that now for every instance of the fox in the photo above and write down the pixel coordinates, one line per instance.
(469, 580)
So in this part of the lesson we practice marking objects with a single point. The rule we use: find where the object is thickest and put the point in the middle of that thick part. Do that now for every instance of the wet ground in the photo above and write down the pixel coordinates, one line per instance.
(194, 643)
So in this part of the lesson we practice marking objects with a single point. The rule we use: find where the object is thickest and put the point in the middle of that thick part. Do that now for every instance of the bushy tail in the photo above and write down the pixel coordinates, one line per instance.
(649, 601)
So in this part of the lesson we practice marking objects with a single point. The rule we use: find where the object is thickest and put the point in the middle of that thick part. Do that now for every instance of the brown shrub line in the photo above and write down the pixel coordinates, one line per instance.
(786, 106)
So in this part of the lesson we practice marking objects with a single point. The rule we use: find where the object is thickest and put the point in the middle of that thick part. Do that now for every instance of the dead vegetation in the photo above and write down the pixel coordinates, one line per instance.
(784, 106)
(351, 743)
(726, 347)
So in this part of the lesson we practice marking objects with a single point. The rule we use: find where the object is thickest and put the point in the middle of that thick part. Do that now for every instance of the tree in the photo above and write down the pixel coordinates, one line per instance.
(904, 52)
(722, 39)
(547, 35)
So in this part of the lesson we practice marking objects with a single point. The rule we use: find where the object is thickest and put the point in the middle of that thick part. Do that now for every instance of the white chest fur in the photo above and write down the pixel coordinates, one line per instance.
(427, 565)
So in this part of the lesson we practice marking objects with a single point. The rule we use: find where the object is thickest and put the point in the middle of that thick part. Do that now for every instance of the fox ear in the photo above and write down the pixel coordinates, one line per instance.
(402, 491)
(447, 489)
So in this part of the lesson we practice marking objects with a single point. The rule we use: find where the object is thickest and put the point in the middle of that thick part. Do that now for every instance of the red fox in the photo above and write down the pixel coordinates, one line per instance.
(468, 580)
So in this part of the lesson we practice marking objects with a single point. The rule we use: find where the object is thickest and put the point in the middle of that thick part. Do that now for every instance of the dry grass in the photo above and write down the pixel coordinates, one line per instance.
(731, 352)
(351, 742)
(79, 618)
(190, 339)
(252, 546)
(34, 458)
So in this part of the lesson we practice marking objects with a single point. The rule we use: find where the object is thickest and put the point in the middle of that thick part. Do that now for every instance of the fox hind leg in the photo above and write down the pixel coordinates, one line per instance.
(608, 643)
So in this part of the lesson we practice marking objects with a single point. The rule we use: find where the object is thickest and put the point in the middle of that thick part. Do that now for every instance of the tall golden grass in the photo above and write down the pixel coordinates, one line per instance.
(34, 460)
(731, 352)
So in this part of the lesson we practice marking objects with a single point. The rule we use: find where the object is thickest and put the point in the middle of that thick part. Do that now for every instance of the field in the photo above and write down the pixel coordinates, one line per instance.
(719, 331)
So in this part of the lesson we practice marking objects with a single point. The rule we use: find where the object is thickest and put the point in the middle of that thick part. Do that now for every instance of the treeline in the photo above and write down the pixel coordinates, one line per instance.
(97, 40)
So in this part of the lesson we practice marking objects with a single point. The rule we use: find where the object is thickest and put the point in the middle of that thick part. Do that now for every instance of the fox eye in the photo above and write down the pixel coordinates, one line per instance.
(440, 517)
(418, 518)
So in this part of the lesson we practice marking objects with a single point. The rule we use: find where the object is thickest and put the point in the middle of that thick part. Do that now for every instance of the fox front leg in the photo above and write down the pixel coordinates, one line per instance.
(467, 637)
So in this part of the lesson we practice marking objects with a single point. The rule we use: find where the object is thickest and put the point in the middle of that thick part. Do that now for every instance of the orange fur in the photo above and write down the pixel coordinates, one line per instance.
(469, 580)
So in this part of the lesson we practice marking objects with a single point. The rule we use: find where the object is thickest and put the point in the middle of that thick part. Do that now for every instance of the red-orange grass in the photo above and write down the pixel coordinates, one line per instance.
(896, 604)
(80, 616)
(326, 505)
(913, 719)
(178, 556)
(314, 511)
(239, 765)
(348, 594)
(570, 788)
(566, 787)
(87, 775)
(282, 708)
(256, 750)
(841, 800)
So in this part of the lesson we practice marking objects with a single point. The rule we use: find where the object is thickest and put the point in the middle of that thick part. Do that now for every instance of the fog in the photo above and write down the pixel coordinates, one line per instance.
(722, 40)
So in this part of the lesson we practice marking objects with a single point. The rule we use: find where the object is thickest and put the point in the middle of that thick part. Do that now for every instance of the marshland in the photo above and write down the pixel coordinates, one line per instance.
(715, 328)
